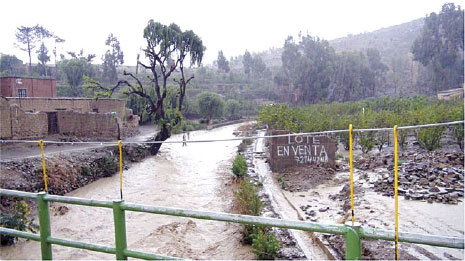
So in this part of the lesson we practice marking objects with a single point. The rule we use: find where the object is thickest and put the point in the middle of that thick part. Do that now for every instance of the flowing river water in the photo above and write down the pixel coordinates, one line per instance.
(192, 177)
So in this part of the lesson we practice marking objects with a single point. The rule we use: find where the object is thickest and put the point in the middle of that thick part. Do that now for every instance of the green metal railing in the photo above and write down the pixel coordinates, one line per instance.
(353, 234)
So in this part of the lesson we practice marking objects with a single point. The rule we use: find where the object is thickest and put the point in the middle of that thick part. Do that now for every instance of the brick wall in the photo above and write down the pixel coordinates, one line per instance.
(34, 87)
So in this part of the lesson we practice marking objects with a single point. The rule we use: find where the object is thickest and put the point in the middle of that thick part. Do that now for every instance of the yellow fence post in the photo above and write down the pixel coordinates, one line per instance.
(41, 144)
(396, 195)
(351, 173)
(120, 148)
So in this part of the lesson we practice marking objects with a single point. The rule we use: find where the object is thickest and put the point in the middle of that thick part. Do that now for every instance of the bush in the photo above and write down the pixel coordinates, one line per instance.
(18, 221)
(265, 245)
(239, 167)
(247, 197)
(367, 141)
(108, 165)
(428, 138)
(249, 233)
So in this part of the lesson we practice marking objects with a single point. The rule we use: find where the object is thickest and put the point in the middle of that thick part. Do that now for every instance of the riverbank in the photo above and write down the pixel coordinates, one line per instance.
(194, 177)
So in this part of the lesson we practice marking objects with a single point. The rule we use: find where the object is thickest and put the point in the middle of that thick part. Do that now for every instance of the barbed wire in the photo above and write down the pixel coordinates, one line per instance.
(239, 138)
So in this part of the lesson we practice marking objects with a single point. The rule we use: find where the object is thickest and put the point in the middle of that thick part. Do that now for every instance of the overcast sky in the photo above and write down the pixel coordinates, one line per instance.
(232, 26)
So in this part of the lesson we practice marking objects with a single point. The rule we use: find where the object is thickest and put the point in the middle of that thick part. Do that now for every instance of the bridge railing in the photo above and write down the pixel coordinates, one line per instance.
(353, 233)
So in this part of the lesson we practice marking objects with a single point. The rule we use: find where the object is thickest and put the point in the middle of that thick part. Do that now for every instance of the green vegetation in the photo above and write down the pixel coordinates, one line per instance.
(370, 113)
(18, 221)
(265, 245)
(244, 145)
(439, 47)
(249, 202)
(211, 105)
(239, 167)
(281, 181)
(108, 165)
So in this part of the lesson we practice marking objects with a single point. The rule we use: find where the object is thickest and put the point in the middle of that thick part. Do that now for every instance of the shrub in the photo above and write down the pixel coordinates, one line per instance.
(428, 138)
(239, 167)
(108, 165)
(249, 233)
(367, 141)
(265, 245)
(18, 221)
(249, 202)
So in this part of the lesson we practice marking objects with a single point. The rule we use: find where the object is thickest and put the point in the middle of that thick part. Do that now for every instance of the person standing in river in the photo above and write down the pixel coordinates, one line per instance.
(184, 140)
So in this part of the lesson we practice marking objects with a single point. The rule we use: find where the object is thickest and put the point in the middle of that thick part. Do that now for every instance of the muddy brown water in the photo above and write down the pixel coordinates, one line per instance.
(191, 177)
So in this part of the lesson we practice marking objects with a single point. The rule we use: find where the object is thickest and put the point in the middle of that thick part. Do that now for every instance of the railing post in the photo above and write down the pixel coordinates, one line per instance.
(353, 243)
(44, 223)
(120, 230)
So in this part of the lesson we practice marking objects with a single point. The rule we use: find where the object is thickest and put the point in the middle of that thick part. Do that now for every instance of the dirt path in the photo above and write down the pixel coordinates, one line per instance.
(187, 177)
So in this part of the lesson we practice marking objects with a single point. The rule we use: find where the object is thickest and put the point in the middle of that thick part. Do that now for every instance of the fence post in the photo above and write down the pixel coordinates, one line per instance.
(44, 223)
(353, 242)
(120, 230)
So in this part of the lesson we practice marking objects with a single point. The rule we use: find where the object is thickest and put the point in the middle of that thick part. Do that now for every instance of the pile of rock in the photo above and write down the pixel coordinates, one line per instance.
(424, 181)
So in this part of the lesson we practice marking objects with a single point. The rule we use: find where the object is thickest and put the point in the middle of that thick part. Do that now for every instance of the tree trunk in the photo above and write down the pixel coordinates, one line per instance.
(163, 135)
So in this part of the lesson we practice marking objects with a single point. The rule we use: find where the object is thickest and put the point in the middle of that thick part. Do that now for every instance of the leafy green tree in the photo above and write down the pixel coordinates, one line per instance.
(233, 109)
(166, 50)
(307, 66)
(210, 105)
(440, 47)
(223, 64)
(10, 65)
(112, 58)
(43, 57)
(74, 70)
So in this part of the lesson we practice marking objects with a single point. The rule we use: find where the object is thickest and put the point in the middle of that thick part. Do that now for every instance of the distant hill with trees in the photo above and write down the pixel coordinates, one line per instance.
(393, 41)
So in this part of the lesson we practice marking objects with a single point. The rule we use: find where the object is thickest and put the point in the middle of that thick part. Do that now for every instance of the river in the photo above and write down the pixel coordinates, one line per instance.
(195, 176)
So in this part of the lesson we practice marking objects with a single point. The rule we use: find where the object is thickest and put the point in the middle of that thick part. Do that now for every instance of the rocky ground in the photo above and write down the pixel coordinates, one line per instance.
(431, 176)
(323, 195)
(289, 249)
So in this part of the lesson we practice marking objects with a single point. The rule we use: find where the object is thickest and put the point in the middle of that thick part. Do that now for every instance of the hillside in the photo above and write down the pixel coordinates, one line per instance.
(393, 41)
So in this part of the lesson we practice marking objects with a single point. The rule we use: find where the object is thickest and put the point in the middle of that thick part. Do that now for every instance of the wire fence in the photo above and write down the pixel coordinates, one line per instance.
(350, 131)
(239, 138)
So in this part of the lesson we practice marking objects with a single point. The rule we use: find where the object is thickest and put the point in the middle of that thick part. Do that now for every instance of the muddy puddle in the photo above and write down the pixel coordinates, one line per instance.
(191, 177)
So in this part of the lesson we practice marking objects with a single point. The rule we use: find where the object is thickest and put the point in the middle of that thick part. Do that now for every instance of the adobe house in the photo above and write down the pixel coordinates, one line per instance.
(23, 87)
(37, 117)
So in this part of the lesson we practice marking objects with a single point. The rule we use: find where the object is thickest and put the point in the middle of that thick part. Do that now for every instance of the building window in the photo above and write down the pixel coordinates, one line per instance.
(22, 93)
